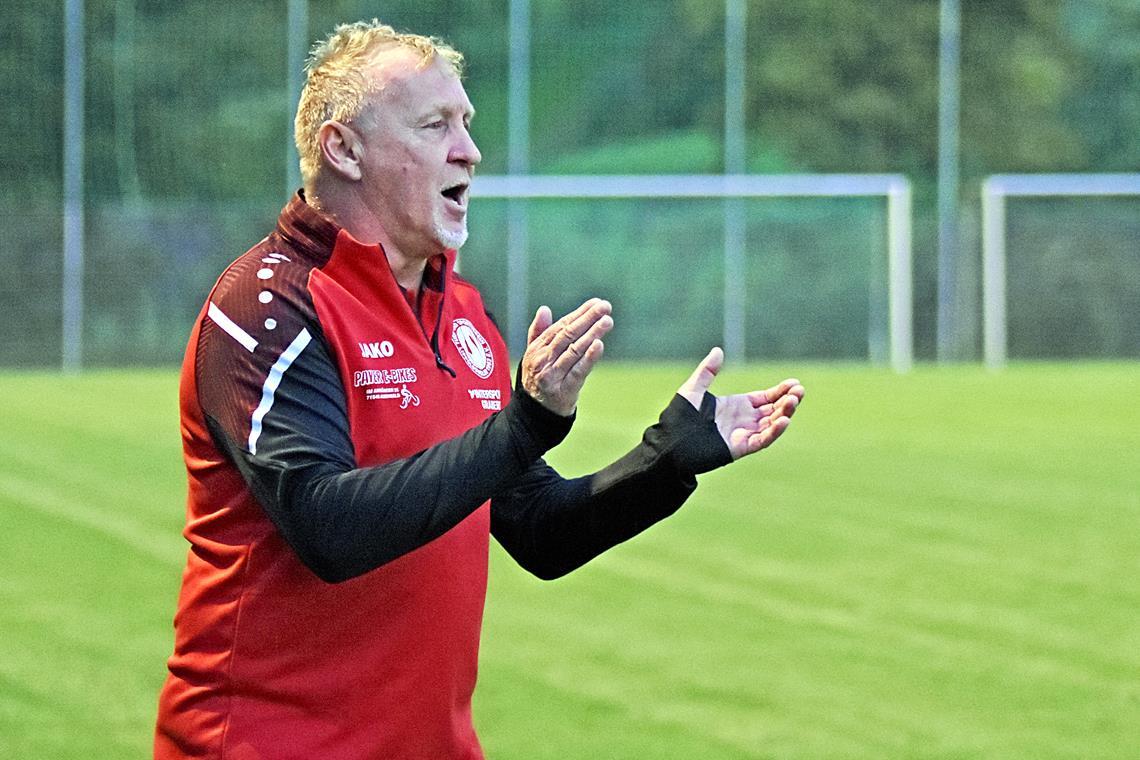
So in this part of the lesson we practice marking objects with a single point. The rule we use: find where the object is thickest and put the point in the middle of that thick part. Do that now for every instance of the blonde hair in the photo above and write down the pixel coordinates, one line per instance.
(335, 84)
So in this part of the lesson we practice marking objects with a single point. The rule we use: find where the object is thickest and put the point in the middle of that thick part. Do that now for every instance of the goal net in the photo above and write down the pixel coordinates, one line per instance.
(1061, 267)
(770, 266)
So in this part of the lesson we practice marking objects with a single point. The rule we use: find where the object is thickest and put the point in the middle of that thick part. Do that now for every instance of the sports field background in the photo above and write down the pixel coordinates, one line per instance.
(944, 564)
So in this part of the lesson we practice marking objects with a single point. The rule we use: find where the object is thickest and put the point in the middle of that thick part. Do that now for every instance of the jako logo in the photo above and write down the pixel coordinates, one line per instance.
(380, 350)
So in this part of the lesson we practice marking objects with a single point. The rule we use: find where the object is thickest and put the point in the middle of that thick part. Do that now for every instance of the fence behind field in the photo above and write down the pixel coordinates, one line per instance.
(132, 180)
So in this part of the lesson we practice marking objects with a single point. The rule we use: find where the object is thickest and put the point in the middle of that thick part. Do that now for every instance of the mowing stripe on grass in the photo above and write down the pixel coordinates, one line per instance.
(159, 546)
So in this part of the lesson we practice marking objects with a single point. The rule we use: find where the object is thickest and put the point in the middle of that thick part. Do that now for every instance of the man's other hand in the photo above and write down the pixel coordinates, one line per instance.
(748, 422)
(560, 355)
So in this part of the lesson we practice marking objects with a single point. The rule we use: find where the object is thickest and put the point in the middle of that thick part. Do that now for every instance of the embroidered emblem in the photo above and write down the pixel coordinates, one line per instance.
(473, 347)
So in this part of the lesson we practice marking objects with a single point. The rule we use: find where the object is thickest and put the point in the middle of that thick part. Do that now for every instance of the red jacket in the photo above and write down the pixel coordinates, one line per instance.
(270, 660)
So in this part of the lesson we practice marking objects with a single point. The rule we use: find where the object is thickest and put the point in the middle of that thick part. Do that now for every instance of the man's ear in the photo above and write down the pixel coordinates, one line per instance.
(341, 149)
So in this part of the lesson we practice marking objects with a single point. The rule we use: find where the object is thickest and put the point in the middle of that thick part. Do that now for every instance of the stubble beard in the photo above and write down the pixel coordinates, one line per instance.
(451, 238)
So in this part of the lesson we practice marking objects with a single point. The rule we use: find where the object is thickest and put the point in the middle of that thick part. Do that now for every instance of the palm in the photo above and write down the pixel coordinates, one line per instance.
(739, 421)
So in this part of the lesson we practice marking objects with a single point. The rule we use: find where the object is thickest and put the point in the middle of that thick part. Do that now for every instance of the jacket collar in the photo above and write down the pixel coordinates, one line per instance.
(314, 234)
(306, 229)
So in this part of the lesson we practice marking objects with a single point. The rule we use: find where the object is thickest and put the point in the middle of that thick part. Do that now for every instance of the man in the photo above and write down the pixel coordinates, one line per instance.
(352, 440)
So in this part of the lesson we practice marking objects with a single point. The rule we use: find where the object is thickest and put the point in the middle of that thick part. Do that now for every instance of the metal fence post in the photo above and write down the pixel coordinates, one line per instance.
(518, 163)
(297, 34)
(73, 213)
(735, 223)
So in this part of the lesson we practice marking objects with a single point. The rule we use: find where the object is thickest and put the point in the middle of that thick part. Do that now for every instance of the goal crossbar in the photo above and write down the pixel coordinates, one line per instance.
(894, 187)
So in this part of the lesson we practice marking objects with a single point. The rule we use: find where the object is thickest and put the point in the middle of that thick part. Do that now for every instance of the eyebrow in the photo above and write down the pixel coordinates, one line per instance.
(445, 110)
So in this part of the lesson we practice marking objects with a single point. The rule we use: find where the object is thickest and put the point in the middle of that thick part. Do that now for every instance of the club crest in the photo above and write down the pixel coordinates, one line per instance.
(473, 347)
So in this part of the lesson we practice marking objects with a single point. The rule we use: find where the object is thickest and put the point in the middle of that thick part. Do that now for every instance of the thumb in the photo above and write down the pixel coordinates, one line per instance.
(542, 320)
(702, 377)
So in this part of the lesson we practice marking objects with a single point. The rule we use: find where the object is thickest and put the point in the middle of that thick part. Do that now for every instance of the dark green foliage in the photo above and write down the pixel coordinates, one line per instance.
(30, 297)
(831, 86)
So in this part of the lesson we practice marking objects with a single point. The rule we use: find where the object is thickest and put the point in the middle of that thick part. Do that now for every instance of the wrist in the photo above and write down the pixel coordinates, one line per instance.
(690, 436)
(544, 426)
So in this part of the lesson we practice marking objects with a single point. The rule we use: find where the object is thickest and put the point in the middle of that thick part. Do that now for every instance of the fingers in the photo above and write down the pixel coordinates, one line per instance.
(766, 436)
(791, 386)
(577, 351)
(705, 372)
(694, 388)
(542, 320)
(764, 417)
(784, 405)
(559, 356)
(573, 325)
(576, 375)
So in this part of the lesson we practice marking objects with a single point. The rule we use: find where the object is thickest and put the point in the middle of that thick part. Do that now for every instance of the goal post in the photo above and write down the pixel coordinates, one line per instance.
(895, 188)
(995, 190)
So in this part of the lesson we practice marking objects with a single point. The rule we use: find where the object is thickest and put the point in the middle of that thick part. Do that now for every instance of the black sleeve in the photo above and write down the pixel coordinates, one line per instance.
(344, 521)
(551, 525)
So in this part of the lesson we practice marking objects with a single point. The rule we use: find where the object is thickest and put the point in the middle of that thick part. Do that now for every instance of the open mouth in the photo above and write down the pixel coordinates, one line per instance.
(457, 194)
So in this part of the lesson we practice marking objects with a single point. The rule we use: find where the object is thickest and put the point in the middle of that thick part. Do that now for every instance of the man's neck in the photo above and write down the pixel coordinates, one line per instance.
(409, 272)
(362, 225)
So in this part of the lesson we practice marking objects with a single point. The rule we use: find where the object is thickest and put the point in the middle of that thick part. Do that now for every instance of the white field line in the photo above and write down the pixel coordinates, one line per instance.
(160, 546)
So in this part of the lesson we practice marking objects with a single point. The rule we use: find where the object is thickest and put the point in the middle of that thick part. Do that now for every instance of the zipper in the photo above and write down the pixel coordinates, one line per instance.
(433, 339)
(439, 362)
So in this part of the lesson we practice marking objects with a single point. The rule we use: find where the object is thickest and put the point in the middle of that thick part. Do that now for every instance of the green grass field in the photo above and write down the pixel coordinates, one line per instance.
(945, 564)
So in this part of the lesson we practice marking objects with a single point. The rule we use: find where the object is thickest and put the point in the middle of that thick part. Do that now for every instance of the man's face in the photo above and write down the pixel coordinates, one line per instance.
(418, 155)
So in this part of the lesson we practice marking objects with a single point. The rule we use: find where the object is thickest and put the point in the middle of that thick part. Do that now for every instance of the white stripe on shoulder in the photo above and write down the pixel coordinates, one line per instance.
(231, 327)
(276, 372)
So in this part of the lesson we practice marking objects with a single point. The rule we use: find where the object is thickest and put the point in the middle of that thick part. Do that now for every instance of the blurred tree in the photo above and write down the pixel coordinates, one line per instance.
(831, 86)
(1017, 67)
(845, 86)
(624, 73)
(31, 102)
(1103, 103)
(208, 92)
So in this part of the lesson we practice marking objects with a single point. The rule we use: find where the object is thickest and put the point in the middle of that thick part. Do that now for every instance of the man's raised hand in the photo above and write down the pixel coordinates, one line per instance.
(748, 422)
(560, 355)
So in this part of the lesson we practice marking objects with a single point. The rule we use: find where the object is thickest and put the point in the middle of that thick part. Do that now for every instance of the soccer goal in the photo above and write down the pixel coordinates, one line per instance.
(733, 189)
(995, 192)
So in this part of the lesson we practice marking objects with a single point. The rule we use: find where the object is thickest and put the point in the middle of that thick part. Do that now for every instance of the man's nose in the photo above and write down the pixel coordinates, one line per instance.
(465, 150)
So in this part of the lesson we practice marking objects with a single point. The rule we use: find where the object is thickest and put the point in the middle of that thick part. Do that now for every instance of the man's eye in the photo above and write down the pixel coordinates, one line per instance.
(439, 124)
